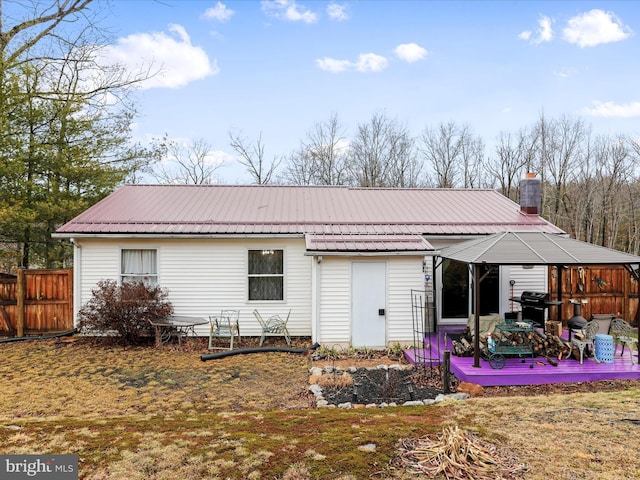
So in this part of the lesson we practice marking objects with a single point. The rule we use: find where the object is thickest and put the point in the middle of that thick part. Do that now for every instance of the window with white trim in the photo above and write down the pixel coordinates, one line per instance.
(139, 265)
(266, 275)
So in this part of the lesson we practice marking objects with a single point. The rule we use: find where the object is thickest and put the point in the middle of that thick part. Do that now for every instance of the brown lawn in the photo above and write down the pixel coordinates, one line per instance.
(146, 413)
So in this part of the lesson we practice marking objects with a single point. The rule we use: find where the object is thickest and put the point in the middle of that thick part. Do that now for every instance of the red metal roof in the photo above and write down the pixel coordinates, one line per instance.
(367, 243)
(253, 209)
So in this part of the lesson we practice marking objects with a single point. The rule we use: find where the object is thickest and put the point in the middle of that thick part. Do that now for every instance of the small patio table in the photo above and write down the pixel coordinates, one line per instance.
(176, 326)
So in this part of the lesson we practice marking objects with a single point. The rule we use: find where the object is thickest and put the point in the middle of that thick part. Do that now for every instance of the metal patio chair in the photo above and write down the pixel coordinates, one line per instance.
(274, 325)
(226, 325)
(622, 332)
(588, 334)
(604, 319)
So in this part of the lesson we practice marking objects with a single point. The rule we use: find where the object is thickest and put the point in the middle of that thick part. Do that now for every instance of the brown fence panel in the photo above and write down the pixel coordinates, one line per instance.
(46, 305)
(600, 289)
(7, 304)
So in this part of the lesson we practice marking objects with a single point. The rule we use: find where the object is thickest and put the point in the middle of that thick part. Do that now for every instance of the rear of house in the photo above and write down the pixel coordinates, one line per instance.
(343, 261)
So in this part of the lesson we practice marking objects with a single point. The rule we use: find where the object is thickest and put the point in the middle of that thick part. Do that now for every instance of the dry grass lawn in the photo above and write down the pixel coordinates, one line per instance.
(146, 413)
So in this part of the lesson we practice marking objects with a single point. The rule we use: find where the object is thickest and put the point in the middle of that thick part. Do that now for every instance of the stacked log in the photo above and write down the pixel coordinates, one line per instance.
(544, 345)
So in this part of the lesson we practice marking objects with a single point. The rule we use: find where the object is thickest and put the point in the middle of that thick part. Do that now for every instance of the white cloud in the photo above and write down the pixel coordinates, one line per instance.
(370, 62)
(220, 12)
(564, 72)
(288, 10)
(410, 52)
(367, 62)
(337, 12)
(612, 109)
(333, 65)
(526, 35)
(595, 27)
(544, 33)
(179, 61)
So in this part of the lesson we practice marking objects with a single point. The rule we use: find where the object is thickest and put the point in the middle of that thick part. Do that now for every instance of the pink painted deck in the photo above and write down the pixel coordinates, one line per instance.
(517, 373)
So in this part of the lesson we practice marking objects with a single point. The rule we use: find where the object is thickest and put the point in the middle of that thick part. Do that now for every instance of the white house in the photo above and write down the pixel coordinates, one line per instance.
(343, 260)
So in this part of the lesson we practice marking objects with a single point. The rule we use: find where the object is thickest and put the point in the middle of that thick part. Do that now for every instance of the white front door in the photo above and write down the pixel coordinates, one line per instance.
(368, 304)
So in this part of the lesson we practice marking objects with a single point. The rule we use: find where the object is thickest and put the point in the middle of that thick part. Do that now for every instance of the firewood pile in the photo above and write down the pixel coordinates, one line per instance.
(544, 345)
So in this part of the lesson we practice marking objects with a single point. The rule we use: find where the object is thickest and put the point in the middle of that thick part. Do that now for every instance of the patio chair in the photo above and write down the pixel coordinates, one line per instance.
(622, 335)
(274, 325)
(604, 320)
(587, 338)
(226, 325)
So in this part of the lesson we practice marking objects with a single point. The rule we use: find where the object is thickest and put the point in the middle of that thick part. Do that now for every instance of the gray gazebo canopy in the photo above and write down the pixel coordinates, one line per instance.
(534, 248)
(529, 248)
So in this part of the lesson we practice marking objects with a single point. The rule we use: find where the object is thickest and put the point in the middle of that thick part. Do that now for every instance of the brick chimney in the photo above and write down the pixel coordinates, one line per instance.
(530, 194)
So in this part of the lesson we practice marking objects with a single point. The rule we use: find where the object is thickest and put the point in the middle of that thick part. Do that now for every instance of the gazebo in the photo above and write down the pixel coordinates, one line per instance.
(530, 248)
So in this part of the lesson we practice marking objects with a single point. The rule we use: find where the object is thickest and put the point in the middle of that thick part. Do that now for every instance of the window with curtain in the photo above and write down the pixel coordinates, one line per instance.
(266, 275)
(139, 265)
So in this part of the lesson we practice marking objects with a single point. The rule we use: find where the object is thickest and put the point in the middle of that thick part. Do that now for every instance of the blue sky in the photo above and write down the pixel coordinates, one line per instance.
(275, 68)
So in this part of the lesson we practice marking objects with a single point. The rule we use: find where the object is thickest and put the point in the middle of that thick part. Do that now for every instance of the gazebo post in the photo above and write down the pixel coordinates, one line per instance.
(559, 268)
(476, 313)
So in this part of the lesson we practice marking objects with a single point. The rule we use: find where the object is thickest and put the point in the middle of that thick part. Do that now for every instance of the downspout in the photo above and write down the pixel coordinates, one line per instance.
(315, 296)
(77, 276)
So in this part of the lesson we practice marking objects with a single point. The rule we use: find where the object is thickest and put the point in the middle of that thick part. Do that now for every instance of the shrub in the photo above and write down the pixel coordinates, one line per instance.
(125, 310)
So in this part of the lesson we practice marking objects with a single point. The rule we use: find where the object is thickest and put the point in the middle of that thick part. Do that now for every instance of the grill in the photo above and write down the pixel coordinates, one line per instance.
(534, 306)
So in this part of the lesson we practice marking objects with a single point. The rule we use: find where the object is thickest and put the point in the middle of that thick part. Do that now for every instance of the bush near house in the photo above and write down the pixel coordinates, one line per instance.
(126, 310)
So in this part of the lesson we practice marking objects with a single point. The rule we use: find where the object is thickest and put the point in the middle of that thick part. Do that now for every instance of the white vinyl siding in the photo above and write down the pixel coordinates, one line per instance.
(526, 280)
(403, 275)
(334, 325)
(204, 276)
(97, 261)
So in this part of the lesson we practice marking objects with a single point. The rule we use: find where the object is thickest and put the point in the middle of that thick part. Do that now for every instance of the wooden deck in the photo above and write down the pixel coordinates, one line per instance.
(515, 372)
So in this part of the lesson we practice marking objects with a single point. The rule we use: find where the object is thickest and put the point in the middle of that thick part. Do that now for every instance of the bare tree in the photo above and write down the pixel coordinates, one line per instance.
(513, 153)
(189, 163)
(473, 152)
(382, 155)
(632, 196)
(613, 167)
(453, 154)
(63, 145)
(321, 158)
(253, 158)
(560, 143)
(44, 22)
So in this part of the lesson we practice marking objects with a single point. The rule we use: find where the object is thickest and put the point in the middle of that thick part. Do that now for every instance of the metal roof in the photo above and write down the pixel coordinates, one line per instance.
(534, 248)
(367, 243)
(180, 210)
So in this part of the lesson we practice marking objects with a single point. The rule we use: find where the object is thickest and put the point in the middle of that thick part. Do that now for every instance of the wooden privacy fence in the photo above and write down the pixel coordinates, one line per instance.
(36, 301)
(599, 288)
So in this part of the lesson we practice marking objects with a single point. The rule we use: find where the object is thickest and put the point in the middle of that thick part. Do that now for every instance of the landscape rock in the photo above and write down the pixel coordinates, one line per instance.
(369, 447)
(315, 389)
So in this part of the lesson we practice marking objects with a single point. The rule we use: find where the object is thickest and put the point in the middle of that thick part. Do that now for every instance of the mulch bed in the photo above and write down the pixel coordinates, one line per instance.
(382, 386)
